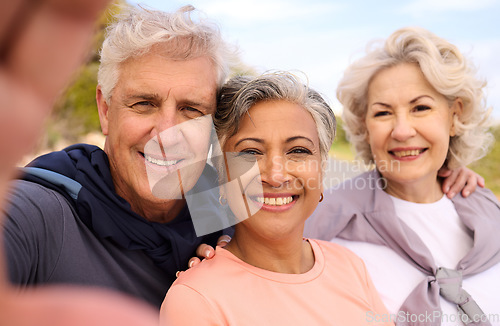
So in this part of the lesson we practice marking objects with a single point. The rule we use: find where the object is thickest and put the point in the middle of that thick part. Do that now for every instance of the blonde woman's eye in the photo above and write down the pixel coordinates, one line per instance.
(381, 113)
(420, 108)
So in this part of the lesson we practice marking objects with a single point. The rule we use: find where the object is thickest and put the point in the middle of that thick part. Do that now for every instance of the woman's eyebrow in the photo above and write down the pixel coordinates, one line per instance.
(291, 139)
(258, 140)
(419, 97)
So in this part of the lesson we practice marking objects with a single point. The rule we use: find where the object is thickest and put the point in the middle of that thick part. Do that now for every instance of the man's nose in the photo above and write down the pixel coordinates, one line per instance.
(167, 126)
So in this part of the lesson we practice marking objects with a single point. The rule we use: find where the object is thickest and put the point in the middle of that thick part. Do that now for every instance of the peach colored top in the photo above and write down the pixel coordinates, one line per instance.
(227, 291)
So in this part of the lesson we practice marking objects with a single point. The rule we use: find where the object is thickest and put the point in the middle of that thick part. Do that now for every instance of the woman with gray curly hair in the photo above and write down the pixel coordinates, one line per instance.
(275, 132)
(411, 107)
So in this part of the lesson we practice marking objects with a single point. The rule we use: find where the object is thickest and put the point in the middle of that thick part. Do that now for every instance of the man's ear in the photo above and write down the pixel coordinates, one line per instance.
(103, 109)
(456, 111)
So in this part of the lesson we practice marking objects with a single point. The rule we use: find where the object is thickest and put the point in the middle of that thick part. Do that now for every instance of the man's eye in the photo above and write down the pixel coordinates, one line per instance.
(192, 112)
(142, 105)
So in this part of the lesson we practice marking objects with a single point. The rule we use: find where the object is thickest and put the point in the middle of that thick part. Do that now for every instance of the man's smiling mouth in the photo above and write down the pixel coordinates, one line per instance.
(160, 162)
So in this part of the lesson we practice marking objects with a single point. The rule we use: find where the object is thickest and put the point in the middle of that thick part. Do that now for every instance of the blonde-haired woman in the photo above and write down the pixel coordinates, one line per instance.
(411, 107)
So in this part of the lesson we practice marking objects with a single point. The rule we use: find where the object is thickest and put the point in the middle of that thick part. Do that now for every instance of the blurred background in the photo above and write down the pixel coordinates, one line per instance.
(317, 37)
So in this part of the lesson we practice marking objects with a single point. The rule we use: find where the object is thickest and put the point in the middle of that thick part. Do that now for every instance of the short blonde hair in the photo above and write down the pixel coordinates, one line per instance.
(444, 67)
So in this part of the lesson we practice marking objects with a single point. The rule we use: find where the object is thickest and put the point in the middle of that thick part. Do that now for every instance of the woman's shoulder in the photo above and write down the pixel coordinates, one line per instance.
(482, 198)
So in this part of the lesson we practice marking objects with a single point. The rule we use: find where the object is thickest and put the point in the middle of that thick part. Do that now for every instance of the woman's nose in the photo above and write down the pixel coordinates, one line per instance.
(275, 172)
(403, 129)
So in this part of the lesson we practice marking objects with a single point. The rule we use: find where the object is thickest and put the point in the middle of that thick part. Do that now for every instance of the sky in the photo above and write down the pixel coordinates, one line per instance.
(321, 37)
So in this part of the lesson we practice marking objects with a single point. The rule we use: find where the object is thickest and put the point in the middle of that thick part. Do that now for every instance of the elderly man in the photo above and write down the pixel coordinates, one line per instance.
(90, 217)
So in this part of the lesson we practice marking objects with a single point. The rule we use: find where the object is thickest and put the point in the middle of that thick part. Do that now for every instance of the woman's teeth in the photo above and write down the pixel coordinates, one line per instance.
(413, 152)
(160, 162)
(274, 201)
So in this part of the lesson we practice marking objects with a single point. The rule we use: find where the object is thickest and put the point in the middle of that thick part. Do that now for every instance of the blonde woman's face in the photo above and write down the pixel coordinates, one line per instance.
(409, 125)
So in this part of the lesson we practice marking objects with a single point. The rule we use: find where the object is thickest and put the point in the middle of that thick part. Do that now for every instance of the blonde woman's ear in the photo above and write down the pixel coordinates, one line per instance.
(456, 111)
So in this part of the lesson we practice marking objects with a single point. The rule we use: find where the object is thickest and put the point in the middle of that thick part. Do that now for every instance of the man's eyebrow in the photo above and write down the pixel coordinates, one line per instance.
(142, 96)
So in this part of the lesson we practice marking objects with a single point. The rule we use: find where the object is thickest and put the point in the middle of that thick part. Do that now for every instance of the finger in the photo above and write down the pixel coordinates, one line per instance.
(472, 183)
(205, 251)
(449, 181)
(223, 240)
(193, 262)
(46, 34)
(79, 9)
(480, 181)
(468, 189)
(458, 184)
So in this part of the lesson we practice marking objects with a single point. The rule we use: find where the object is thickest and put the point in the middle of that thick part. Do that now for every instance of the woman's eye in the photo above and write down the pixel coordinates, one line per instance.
(300, 150)
(248, 152)
(381, 113)
(420, 108)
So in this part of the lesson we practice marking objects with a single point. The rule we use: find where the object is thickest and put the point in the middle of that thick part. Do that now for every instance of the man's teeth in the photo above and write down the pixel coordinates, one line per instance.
(160, 162)
(413, 152)
(275, 201)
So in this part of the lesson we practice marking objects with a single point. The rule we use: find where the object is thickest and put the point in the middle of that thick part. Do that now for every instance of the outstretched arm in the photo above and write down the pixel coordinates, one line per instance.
(41, 45)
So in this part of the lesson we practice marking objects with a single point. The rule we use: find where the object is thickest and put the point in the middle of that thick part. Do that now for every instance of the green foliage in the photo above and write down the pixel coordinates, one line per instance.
(341, 148)
(488, 166)
(340, 135)
(77, 108)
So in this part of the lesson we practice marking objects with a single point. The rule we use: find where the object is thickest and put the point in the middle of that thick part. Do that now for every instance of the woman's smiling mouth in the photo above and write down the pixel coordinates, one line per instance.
(407, 153)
